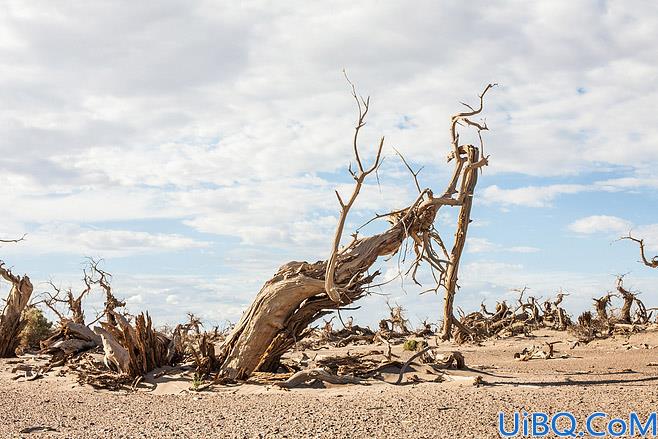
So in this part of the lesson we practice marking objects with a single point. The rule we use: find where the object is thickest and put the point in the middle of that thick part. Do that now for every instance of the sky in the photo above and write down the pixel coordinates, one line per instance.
(195, 146)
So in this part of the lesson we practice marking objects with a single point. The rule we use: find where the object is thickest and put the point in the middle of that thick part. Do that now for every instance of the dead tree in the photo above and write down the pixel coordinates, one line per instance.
(301, 292)
(651, 263)
(628, 298)
(73, 303)
(554, 315)
(11, 318)
(102, 279)
(601, 305)
(73, 336)
(397, 319)
(469, 180)
(641, 316)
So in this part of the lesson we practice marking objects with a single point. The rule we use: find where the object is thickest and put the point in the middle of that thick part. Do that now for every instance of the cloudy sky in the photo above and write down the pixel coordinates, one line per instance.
(195, 146)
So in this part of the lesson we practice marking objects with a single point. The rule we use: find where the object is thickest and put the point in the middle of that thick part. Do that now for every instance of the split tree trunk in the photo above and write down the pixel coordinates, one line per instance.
(463, 220)
(136, 350)
(11, 322)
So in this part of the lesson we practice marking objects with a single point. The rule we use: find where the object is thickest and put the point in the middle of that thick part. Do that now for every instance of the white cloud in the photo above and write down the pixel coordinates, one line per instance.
(172, 299)
(544, 196)
(479, 245)
(81, 241)
(530, 196)
(627, 183)
(600, 224)
(524, 249)
(617, 227)
(483, 245)
(649, 233)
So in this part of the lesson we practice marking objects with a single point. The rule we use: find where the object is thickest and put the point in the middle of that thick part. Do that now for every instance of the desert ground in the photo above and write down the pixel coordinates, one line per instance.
(617, 375)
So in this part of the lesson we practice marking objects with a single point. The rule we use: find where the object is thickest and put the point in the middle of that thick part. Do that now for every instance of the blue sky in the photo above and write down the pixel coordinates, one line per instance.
(195, 146)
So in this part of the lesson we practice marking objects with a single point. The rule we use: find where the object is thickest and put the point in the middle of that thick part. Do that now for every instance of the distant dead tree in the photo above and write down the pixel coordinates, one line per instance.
(601, 305)
(651, 263)
(68, 307)
(301, 292)
(641, 316)
(396, 319)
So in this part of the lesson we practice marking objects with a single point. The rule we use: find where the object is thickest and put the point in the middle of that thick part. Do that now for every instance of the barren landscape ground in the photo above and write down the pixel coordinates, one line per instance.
(617, 375)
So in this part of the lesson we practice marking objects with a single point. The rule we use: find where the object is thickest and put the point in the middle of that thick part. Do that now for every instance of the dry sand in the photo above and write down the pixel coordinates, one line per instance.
(614, 376)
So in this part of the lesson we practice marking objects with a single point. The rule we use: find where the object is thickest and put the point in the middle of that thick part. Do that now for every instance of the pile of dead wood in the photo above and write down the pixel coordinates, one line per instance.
(527, 315)
(393, 330)
(359, 368)
(632, 316)
(119, 349)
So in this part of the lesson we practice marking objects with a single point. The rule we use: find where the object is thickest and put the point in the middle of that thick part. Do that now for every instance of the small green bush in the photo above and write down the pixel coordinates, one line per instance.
(410, 345)
(36, 328)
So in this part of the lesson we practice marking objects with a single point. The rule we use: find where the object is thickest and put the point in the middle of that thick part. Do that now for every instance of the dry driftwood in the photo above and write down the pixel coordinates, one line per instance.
(73, 336)
(11, 322)
(116, 356)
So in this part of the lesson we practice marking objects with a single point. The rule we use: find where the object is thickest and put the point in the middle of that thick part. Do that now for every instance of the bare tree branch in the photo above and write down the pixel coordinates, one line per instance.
(363, 105)
(651, 263)
(7, 241)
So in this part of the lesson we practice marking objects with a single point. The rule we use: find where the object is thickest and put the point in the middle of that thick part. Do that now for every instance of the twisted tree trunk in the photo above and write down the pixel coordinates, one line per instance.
(11, 322)
(294, 298)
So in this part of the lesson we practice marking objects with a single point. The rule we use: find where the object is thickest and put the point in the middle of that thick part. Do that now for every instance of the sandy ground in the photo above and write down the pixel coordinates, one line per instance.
(615, 376)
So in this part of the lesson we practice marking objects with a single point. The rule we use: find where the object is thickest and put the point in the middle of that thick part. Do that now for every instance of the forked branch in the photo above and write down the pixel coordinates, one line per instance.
(363, 105)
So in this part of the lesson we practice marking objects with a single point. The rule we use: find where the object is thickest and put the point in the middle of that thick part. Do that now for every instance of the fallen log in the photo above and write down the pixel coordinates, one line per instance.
(455, 359)
(304, 376)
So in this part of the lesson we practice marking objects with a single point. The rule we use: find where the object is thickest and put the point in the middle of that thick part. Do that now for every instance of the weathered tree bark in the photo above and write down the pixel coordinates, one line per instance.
(134, 350)
(11, 319)
(301, 292)
(116, 356)
(463, 220)
(294, 298)
(70, 338)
